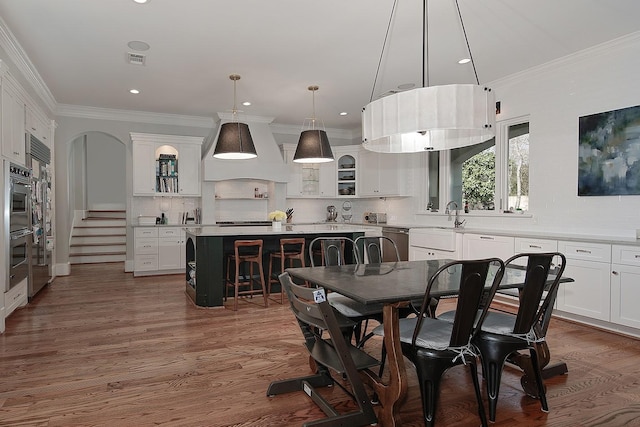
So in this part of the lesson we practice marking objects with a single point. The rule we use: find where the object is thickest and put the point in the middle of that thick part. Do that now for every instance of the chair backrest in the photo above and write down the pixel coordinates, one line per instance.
(248, 247)
(304, 304)
(333, 250)
(372, 248)
(534, 306)
(292, 245)
(471, 276)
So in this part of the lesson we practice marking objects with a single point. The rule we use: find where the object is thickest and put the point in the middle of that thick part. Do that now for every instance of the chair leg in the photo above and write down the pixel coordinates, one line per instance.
(473, 369)
(542, 394)
(429, 376)
(236, 286)
(264, 285)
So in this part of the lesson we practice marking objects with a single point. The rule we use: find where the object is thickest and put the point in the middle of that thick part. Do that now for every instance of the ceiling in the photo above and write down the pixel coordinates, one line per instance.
(280, 47)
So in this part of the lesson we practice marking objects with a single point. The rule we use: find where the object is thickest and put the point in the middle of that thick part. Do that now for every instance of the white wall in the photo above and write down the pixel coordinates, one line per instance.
(555, 96)
(106, 180)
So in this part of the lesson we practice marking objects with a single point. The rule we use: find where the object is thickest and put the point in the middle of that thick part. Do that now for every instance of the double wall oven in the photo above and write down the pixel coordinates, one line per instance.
(18, 244)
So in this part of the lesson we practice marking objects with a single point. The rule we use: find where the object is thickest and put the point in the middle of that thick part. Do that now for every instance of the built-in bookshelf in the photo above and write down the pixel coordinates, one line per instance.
(167, 173)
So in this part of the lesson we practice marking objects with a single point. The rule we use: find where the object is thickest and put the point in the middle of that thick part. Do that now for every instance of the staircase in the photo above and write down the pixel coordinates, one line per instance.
(101, 236)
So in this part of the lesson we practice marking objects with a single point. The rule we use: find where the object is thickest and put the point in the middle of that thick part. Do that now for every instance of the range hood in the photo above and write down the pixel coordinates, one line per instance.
(268, 166)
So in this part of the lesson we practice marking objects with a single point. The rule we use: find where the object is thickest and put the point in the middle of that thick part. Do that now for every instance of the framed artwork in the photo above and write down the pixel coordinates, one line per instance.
(609, 153)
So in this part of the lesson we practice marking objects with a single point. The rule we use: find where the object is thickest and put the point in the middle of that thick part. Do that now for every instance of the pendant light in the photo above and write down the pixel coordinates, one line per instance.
(234, 140)
(430, 117)
(313, 145)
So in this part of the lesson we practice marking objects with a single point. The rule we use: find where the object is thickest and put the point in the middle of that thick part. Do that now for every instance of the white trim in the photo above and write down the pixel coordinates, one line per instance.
(67, 110)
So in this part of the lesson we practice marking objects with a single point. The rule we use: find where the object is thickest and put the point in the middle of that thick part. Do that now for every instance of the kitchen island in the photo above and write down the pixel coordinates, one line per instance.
(207, 247)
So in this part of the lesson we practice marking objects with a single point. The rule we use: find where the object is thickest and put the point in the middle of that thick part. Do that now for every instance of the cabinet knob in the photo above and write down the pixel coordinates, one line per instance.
(615, 273)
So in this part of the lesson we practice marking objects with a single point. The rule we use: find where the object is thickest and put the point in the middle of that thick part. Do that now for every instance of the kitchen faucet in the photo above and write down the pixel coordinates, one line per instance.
(456, 223)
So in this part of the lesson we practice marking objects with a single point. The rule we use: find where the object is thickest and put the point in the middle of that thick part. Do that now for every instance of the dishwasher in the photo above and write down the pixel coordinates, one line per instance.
(401, 237)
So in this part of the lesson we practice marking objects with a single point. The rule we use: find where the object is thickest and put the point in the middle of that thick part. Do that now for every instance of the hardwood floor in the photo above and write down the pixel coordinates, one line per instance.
(100, 348)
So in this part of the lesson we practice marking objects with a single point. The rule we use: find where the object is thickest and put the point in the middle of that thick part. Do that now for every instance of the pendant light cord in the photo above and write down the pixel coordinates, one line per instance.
(464, 31)
(386, 36)
(425, 43)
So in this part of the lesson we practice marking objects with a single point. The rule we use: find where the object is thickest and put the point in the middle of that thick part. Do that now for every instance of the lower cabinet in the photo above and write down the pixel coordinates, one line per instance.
(478, 246)
(159, 250)
(625, 285)
(589, 264)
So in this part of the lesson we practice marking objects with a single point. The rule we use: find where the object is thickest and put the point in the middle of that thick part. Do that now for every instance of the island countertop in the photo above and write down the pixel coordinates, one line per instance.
(268, 230)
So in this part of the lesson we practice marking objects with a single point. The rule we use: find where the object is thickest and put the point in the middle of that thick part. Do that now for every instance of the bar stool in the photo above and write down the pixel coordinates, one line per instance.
(245, 251)
(290, 249)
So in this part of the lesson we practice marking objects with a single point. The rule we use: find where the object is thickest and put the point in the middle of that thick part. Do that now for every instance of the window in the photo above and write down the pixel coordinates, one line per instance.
(490, 176)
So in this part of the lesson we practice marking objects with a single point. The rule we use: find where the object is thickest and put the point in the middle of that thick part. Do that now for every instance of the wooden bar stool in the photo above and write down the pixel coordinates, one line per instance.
(290, 249)
(245, 251)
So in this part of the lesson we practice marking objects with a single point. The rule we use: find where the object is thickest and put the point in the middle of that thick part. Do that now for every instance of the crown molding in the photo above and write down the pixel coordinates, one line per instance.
(623, 42)
(79, 111)
(22, 62)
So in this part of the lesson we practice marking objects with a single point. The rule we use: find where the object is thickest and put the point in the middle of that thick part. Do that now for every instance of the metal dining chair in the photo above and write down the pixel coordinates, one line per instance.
(435, 345)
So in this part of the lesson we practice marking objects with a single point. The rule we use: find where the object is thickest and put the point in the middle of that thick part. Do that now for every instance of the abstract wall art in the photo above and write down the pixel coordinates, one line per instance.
(609, 153)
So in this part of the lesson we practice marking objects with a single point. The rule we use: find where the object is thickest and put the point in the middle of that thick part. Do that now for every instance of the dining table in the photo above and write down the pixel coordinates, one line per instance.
(395, 285)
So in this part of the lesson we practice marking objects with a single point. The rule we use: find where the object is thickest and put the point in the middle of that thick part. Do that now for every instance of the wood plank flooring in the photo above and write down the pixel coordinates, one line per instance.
(100, 348)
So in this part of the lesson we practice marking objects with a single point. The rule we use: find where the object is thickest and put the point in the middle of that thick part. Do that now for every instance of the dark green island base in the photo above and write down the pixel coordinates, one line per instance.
(208, 246)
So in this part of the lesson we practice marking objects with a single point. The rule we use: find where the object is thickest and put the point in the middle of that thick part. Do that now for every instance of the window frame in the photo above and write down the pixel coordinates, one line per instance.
(501, 189)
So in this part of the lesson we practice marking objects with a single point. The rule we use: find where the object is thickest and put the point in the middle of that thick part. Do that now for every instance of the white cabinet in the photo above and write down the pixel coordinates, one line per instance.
(625, 285)
(166, 165)
(13, 136)
(159, 250)
(144, 168)
(37, 126)
(347, 171)
(477, 246)
(590, 293)
(171, 249)
(309, 179)
(382, 174)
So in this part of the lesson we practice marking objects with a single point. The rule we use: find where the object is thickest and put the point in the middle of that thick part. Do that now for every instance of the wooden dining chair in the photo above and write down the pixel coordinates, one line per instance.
(331, 352)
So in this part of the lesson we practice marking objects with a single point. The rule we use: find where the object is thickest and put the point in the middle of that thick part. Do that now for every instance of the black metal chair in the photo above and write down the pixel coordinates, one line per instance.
(504, 334)
(435, 345)
(372, 248)
(332, 353)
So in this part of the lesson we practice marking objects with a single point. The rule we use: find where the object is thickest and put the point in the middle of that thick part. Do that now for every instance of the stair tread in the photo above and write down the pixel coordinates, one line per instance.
(98, 226)
(76, 254)
(98, 244)
(102, 218)
(99, 235)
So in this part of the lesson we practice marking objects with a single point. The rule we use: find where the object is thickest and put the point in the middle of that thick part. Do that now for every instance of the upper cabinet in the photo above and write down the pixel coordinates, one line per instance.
(37, 126)
(309, 179)
(166, 165)
(347, 170)
(383, 174)
(13, 121)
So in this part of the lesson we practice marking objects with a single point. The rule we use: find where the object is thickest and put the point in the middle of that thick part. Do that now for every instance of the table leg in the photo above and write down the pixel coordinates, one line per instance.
(392, 394)
(528, 380)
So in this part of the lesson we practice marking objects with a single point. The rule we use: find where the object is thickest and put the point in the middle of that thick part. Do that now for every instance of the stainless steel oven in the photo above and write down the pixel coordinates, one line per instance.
(19, 194)
(19, 244)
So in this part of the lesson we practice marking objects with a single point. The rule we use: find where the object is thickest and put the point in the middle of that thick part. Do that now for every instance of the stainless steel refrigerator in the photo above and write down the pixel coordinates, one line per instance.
(39, 159)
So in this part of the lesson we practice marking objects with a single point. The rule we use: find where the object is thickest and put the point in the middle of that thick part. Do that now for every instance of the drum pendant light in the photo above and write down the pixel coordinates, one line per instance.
(234, 140)
(430, 117)
(313, 145)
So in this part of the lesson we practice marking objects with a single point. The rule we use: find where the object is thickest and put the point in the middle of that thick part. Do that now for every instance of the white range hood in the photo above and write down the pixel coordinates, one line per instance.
(268, 166)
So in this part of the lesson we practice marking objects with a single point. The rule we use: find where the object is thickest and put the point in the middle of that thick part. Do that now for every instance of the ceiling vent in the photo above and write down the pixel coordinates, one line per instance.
(136, 58)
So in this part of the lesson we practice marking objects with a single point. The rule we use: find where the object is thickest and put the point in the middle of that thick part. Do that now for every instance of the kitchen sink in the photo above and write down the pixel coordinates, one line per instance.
(442, 238)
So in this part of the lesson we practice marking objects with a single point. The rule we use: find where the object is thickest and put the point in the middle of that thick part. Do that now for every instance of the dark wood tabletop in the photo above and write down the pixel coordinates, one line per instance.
(390, 282)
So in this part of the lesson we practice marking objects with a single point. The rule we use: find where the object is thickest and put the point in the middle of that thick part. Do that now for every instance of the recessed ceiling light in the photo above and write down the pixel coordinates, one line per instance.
(464, 61)
(134, 91)
(141, 1)
(138, 45)
(344, 113)
(246, 103)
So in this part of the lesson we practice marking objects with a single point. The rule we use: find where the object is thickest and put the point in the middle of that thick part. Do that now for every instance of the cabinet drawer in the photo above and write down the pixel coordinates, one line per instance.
(146, 232)
(15, 297)
(169, 232)
(524, 245)
(146, 246)
(587, 251)
(146, 263)
(627, 255)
